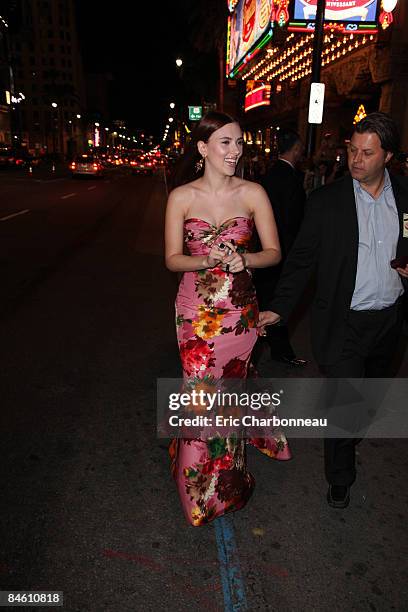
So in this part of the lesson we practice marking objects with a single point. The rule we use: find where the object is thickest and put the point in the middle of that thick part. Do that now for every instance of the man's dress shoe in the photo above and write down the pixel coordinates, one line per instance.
(338, 496)
(294, 361)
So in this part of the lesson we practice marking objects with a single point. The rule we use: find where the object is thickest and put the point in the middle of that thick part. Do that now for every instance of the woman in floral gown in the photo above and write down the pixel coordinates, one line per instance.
(212, 217)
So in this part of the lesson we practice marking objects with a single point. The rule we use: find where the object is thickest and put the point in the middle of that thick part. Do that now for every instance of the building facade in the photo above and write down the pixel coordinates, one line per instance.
(5, 127)
(364, 66)
(48, 81)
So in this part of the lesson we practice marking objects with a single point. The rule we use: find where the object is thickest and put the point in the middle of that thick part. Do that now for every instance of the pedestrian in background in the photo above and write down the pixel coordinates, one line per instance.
(284, 186)
(353, 229)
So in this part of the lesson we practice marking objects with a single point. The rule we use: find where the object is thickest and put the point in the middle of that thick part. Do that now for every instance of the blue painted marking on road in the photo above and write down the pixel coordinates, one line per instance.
(230, 570)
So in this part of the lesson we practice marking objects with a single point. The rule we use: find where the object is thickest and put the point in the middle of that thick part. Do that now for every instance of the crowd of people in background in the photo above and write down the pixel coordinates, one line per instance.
(323, 168)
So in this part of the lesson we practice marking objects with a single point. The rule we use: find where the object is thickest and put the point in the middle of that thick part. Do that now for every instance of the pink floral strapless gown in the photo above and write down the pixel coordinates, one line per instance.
(216, 317)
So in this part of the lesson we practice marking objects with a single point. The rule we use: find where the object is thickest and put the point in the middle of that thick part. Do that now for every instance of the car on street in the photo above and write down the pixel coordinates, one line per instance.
(5, 156)
(87, 165)
(142, 165)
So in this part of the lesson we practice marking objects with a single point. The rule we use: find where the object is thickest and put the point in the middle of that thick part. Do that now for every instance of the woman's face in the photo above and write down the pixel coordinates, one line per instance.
(223, 149)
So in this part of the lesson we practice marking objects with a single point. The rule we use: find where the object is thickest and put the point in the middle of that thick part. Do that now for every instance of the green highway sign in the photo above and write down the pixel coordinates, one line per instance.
(195, 113)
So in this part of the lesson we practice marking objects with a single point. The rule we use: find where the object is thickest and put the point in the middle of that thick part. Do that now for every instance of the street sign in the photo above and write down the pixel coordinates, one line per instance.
(195, 113)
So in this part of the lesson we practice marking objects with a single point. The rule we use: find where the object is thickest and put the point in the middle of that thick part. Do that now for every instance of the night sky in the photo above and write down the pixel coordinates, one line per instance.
(138, 43)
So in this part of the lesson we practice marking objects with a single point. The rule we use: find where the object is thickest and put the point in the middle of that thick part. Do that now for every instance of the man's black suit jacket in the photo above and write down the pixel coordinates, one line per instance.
(328, 243)
(284, 187)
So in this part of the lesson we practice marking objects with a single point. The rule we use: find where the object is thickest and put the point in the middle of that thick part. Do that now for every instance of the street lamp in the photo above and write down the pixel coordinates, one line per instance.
(54, 127)
(172, 105)
(78, 134)
(171, 119)
(179, 62)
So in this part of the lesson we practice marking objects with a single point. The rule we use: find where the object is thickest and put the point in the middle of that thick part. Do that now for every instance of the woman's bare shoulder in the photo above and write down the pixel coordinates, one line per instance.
(183, 195)
(249, 188)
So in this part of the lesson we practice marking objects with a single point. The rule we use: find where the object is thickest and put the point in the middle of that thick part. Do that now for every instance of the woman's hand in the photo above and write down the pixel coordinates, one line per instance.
(232, 262)
(216, 255)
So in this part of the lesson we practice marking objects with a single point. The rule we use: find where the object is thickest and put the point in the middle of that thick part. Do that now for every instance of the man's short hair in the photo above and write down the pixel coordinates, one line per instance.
(385, 128)
(286, 139)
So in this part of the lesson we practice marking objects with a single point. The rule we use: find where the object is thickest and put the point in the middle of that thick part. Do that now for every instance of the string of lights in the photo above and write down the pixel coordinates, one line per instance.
(294, 62)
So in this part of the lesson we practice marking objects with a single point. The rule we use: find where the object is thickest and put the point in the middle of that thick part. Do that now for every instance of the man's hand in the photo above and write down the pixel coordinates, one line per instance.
(267, 318)
(403, 271)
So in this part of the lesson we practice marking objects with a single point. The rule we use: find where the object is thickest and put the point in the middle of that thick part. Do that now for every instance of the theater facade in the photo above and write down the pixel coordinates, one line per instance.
(364, 65)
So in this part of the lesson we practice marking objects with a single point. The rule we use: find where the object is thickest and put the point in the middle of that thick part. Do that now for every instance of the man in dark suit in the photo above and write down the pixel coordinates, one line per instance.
(284, 186)
(352, 229)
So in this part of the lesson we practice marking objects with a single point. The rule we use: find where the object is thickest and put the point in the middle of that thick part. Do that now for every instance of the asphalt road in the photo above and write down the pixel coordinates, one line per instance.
(88, 506)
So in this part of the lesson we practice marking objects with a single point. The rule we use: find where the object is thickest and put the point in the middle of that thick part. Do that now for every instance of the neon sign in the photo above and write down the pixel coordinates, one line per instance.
(249, 26)
(357, 16)
(258, 94)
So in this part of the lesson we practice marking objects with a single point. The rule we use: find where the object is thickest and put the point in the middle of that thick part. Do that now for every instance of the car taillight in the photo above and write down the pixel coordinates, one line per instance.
(95, 167)
(73, 166)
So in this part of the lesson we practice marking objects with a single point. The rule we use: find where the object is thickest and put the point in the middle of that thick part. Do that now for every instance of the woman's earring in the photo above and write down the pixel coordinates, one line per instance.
(199, 164)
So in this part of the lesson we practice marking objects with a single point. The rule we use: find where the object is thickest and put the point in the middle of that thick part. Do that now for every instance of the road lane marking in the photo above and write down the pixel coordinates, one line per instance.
(230, 570)
(22, 212)
(69, 195)
(93, 187)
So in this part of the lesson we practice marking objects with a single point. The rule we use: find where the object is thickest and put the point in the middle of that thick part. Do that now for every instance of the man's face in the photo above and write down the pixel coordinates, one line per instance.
(366, 157)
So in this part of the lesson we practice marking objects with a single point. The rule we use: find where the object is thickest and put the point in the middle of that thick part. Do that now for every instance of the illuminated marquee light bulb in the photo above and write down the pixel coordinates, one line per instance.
(389, 5)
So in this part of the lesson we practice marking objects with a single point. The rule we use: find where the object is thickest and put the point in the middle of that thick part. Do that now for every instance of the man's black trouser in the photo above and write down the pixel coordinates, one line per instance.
(370, 345)
(277, 336)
